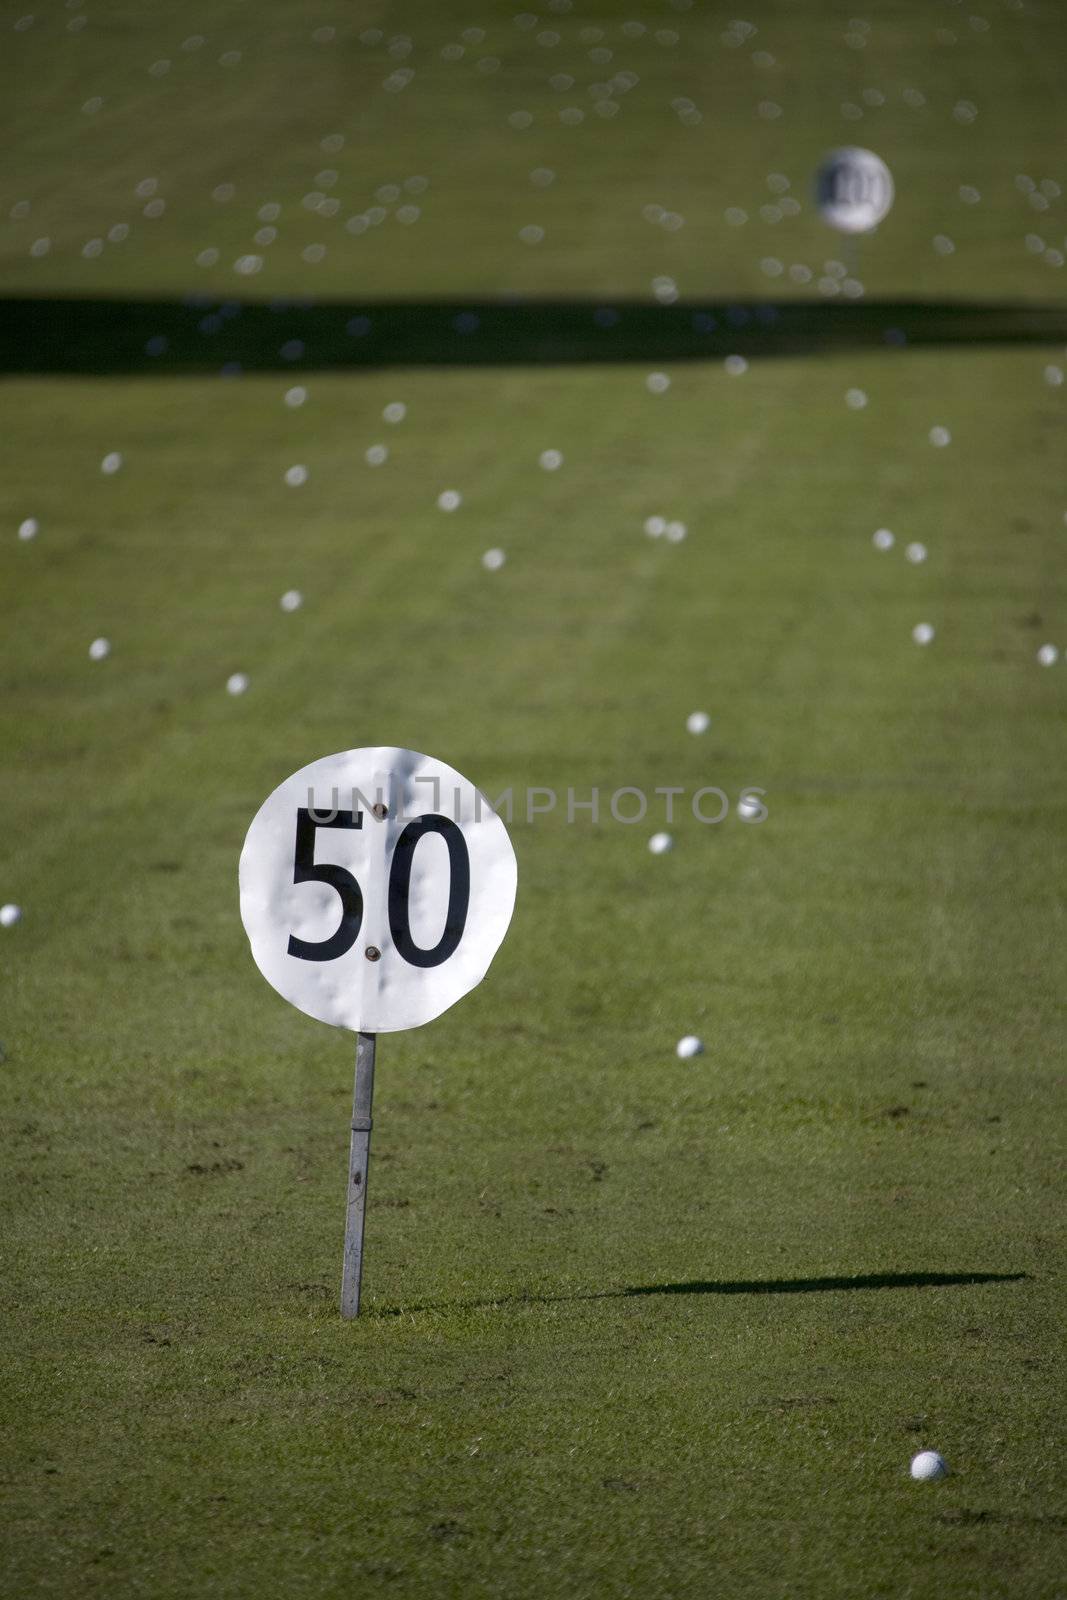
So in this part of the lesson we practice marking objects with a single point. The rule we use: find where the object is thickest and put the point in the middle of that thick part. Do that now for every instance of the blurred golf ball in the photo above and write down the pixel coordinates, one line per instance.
(295, 476)
(922, 633)
(698, 722)
(493, 560)
(655, 527)
(9, 915)
(1048, 655)
(29, 529)
(291, 600)
(915, 553)
(111, 463)
(749, 807)
(676, 532)
(99, 650)
(928, 1464)
(550, 460)
(689, 1046)
(395, 411)
(449, 500)
(660, 843)
(236, 683)
(940, 437)
(883, 539)
(295, 396)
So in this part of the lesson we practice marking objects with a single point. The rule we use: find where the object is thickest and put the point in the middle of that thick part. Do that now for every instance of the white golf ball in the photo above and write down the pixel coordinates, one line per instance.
(689, 1046)
(493, 560)
(883, 539)
(9, 915)
(296, 476)
(291, 600)
(915, 553)
(1048, 655)
(922, 633)
(29, 529)
(749, 807)
(928, 1464)
(449, 500)
(940, 437)
(395, 411)
(111, 463)
(655, 527)
(856, 399)
(295, 396)
(550, 460)
(736, 366)
(236, 683)
(660, 843)
(657, 383)
(99, 650)
(676, 532)
(377, 455)
(698, 722)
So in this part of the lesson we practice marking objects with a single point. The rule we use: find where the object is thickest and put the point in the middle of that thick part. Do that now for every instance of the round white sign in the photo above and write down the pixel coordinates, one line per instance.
(376, 887)
(854, 189)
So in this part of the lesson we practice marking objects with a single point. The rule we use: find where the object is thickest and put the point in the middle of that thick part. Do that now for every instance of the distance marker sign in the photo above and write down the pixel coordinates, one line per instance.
(854, 189)
(376, 888)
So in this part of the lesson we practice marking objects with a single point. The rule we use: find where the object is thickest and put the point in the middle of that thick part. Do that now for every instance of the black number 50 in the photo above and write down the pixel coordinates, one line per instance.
(306, 870)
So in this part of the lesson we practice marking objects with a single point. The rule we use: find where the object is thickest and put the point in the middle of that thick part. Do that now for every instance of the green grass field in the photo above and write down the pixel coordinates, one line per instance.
(633, 1325)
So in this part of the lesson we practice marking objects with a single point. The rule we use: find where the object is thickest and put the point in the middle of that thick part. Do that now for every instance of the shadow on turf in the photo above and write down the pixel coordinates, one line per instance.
(204, 333)
(873, 1280)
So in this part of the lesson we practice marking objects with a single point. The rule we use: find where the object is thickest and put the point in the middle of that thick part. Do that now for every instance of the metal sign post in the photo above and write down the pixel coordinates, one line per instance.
(358, 1162)
(374, 905)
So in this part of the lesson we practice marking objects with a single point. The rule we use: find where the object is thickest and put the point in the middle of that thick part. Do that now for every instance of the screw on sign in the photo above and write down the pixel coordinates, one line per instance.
(853, 189)
(376, 888)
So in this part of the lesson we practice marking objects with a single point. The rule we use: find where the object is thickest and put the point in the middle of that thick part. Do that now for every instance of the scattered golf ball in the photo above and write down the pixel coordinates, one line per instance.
(236, 683)
(550, 460)
(676, 532)
(395, 411)
(698, 722)
(377, 455)
(295, 476)
(111, 463)
(883, 539)
(655, 527)
(735, 365)
(9, 915)
(29, 529)
(749, 807)
(291, 600)
(99, 650)
(493, 560)
(855, 399)
(915, 553)
(940, 437)
(1048, 655)
(922, 633)
(657, 383)
(928, 1464)
(295, 396)
(689, 1046)
(449, 500)
(660, 843)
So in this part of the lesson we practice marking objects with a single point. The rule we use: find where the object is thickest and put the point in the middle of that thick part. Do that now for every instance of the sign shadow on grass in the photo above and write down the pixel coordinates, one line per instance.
(726, 1286)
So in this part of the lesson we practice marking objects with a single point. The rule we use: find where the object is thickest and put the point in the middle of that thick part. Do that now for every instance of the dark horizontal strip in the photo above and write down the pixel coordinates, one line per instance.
(198, 334)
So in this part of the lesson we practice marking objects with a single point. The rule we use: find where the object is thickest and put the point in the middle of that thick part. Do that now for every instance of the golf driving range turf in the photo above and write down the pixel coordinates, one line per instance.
(632, 1326)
